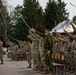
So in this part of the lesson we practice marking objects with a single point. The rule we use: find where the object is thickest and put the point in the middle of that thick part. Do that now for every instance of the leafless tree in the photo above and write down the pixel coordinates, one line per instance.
(4, 21)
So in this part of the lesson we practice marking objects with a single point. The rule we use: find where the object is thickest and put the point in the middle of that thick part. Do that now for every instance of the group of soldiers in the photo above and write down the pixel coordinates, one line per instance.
(44, 45)
(39, 52)
(16, 51)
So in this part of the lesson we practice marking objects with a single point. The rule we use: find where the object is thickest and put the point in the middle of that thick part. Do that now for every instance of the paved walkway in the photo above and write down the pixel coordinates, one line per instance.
(15, 68)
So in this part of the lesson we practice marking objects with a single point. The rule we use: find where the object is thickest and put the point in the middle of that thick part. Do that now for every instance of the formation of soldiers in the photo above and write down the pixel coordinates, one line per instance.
(44, 45)
(15, 52)
(39, 52)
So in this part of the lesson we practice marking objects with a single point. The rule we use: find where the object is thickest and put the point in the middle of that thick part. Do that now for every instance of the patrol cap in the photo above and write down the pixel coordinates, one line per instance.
(47, 28)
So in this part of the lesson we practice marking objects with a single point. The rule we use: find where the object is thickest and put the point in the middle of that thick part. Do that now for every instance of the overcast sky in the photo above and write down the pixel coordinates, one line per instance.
(71, 9)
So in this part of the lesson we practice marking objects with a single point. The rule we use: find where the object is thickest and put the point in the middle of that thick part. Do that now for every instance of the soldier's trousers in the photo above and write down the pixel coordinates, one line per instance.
(36, 60)
(74, 61)
(48, 61)
(1, 58)
(29, 58)
(68, 61)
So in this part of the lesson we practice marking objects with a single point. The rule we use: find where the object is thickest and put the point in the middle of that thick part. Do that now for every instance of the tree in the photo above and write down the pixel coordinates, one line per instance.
(62, 11)
(33, 14)
(55, 12)
(17, 28)
(4, 21)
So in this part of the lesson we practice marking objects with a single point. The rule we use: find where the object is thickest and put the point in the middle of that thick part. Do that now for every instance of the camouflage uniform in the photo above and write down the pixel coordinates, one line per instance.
(74, 55)
(41, 50)
(74, 47)
(66, 50)
(15, 49)
(28, 53)
(1, 52)
(11, 48)
(64, 45)
(37, 53)
(22, 50)
(12, 52)
(35, 50)
(55, 47)
(71, 51)
(48, 44)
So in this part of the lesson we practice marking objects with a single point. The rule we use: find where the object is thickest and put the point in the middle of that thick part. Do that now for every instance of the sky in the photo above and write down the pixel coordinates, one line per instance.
(69, 7)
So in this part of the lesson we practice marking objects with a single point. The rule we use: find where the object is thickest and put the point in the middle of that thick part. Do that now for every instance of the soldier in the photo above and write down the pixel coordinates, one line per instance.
(55, 46)
(1, 51)
(22, 50)
(11, 48)
(14, 52)
(48, 44)
(28, 53)
(32, 50)
(35, 51)
(64, 44)
(41, 50)
(72, 50)
(58, 44)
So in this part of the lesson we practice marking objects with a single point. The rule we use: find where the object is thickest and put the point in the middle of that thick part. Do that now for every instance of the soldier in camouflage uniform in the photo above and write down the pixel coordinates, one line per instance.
(32, 50)
(48, 44)
(35, 51)
(74, 45)
(57, 44)
(11, 48)
(1, 51)
(14, 52)
(54, 47)
(28, 53)
(41, 50)
(71, 51)
(66, 50)
(22, 50)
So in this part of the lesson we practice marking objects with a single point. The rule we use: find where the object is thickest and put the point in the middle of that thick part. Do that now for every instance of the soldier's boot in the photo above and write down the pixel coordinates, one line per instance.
(35, 68)
(51, 73)
(45, 71)
(41, 68)
(38, 70)
(29, 66)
